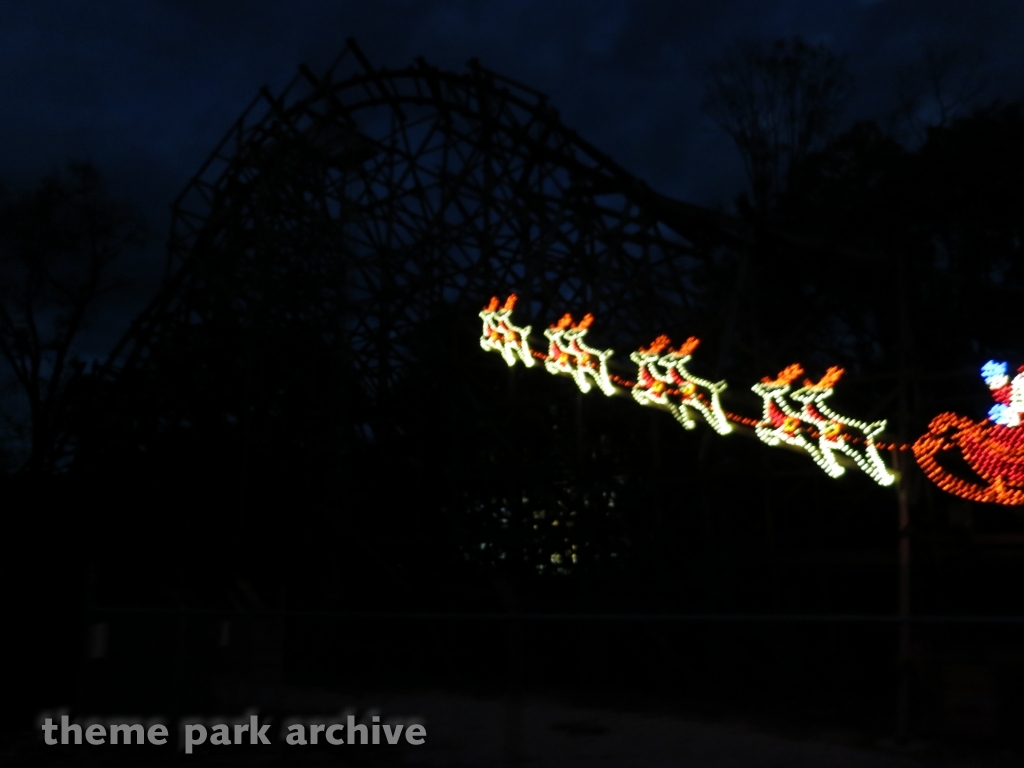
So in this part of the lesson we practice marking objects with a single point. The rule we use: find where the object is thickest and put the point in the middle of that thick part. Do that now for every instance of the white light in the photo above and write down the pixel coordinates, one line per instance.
(662, 379)
(568, 354)
(500, 335)
(799, 418)
(782, 423)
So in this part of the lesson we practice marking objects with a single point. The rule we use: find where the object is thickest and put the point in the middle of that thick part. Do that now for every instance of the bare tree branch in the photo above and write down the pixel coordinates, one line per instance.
(57, 243)
(947, 84)
(777, 103)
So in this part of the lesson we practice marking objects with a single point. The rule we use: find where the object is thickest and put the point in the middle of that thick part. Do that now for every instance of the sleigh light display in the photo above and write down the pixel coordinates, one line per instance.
(797, 417)
(993, 448)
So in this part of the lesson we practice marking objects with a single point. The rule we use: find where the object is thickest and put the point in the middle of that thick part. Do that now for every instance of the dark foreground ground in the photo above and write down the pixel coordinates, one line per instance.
(465, 731)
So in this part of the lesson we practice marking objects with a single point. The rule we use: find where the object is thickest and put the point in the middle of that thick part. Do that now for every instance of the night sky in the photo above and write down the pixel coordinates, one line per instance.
(146, 89)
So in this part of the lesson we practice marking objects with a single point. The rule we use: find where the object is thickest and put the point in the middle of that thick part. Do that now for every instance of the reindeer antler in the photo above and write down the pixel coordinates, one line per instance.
(687, 347)
(585, 323)
(656, 346)
(564, 322)
(787, 375)
(829, 380)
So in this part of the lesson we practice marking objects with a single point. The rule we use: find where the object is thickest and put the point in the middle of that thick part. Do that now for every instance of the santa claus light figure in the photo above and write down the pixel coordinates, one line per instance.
(1009, 395)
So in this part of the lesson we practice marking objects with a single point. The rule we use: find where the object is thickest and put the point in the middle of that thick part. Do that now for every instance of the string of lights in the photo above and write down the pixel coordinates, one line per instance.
(797, 418)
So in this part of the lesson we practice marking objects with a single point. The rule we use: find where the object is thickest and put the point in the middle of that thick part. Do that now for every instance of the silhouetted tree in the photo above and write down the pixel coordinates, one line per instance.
(777, 102)
(57, 243)
(948, 83)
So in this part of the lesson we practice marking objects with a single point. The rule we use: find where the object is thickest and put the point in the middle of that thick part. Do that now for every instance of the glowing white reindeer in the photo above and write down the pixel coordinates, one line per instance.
(836, 432)
(500, 335)
(780, 422)
(814, 427)
(662, 379)
(568, 354)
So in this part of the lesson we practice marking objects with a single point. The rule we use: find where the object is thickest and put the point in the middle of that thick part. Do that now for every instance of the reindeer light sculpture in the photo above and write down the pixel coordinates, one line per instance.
(500, 335)
(568, 354)
(780, 422)
(800, 418)
(815, 428)
(836, 432)
(662, 379)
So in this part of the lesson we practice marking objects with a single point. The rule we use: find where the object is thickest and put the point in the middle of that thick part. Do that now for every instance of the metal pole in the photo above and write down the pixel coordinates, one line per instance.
(903, 694)
(903, 522)
(89, 619)
(516, 671)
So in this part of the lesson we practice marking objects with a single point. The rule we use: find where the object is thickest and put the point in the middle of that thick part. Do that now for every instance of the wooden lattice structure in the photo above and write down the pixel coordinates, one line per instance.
(409, 188)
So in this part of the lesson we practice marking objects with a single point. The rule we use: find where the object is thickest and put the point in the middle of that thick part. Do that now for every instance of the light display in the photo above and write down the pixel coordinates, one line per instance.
(782, 423)
(500, 335)
(840, 433)
(568, 354)
(1009, 395)
(993, 448)
(662, 379)
(800, 418)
